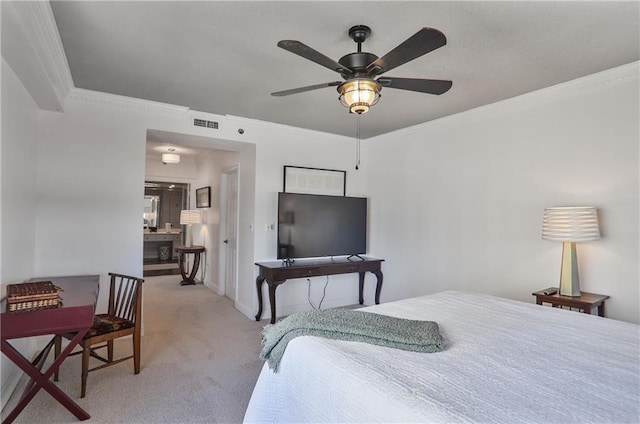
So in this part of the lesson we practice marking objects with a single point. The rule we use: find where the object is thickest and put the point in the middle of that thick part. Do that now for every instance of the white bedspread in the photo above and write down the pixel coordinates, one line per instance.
(504, 362)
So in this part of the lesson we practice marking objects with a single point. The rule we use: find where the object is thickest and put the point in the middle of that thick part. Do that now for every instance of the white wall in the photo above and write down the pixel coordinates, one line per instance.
(457, 203)
(275, 146)
(209, 171)
(183, 172)
(91, 190)
(91, 173)
(224, 161)
(275, 149)
(18, 201)
(91, 184)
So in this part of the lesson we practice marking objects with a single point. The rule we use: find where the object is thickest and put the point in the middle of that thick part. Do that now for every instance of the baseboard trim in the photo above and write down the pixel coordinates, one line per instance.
(246, 310)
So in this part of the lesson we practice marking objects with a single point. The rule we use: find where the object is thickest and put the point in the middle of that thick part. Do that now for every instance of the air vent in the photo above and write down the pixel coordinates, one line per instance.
(204, 123)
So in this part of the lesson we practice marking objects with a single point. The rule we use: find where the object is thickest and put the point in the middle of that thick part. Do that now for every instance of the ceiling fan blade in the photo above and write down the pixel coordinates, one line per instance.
(416, 84)
(307, 88)
(313, 55)
(422, 42)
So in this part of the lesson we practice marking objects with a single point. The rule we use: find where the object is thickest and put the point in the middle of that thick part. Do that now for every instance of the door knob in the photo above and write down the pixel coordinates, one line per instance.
(226, 241)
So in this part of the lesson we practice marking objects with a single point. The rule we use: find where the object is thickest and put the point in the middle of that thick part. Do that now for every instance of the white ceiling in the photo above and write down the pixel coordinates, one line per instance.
(222, 58)
(188, 146)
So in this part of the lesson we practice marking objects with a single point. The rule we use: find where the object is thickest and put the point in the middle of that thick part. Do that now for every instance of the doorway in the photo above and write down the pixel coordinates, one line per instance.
(229, 233)
(163, 202)
(203, 163)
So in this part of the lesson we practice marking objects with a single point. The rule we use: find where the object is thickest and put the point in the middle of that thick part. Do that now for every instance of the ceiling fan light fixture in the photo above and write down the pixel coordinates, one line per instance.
(359, 94)
(170, 157)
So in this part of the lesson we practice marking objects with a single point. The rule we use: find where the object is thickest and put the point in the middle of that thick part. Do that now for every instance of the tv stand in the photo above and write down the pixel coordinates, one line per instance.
(355, 256)
(278, 272)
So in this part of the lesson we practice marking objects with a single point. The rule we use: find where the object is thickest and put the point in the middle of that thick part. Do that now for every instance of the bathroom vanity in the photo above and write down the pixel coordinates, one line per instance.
(160, 246)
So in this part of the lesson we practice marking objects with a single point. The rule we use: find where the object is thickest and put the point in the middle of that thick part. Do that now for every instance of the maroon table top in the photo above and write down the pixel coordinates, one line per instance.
(76, 311)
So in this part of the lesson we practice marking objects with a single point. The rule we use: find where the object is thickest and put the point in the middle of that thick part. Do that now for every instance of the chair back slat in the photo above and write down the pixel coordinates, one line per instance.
(125, 302)
(125, 296)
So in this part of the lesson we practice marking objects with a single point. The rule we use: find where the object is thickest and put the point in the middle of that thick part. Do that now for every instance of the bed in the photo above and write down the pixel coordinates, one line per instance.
(504, 362)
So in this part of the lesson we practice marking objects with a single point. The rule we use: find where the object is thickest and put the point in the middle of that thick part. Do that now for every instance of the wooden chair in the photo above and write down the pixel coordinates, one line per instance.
(124, 318)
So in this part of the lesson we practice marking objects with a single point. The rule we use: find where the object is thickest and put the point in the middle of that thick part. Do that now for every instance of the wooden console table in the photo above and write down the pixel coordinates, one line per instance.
(277, 272)
(75, 315)
(182, 252)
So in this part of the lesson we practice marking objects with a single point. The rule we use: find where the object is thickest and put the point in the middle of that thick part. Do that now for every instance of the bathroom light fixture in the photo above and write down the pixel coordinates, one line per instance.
(570, 225)
(359, 94)
(170, 157)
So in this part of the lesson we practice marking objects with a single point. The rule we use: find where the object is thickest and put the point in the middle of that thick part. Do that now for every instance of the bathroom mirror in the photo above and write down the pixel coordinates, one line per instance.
(150, 214)
(163, 201)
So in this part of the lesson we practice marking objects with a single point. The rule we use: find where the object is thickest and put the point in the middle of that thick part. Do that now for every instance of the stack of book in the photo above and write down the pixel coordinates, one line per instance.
(31, 296)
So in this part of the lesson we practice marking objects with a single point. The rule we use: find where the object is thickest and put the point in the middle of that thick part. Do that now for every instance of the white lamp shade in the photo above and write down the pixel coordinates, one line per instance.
(170, 158)
(572, 224)
(190, 217)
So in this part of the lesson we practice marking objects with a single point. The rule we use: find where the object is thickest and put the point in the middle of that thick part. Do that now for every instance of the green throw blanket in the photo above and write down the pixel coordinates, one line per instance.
(350, 325)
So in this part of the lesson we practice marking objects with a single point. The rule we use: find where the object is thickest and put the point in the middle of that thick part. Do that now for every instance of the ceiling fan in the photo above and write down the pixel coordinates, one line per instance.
(360, 88)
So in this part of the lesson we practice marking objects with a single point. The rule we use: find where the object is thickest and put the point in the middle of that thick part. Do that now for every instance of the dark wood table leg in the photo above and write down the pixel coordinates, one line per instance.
(587, 309)
(601, 310)
(272, 297)
(378, 275)
(259, 281)
(361, 287)
(43, 380)
(189, 279)
(181, 263)
(272, 300)
(194, 270)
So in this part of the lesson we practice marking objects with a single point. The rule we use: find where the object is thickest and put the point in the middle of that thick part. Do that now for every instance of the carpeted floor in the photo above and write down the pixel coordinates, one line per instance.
(199, 364)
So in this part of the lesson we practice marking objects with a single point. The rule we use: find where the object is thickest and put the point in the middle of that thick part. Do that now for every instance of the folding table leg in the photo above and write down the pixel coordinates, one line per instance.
(43, 380)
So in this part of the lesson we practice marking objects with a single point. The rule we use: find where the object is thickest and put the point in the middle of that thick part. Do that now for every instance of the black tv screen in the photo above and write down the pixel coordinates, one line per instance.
(311, 225)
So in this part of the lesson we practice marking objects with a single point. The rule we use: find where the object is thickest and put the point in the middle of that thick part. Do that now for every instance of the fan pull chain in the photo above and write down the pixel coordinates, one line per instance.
(358, 144)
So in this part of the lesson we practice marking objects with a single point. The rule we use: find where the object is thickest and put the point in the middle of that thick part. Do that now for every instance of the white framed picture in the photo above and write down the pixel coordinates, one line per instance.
(304, 180)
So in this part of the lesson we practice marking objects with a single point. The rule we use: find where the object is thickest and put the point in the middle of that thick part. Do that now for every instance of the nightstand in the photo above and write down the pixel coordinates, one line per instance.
(586, 302)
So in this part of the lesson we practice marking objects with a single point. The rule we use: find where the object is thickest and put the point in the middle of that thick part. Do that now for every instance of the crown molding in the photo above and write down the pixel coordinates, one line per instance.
(206, 115)
(146, 106)
(37, 18)
(608, 78)
(126, 103)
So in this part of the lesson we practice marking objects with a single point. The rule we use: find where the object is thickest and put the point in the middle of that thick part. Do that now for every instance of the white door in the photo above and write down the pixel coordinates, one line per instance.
(230, 232)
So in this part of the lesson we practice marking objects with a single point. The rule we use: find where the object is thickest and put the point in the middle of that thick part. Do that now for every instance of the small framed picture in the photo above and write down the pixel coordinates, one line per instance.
(203, 197)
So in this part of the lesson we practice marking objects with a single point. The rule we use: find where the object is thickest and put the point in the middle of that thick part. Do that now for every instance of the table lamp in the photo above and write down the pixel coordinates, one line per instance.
(189, 217)
(570, 225)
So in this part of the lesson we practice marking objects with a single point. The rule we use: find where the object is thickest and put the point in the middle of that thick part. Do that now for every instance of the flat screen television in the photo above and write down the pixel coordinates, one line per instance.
(311, 225)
